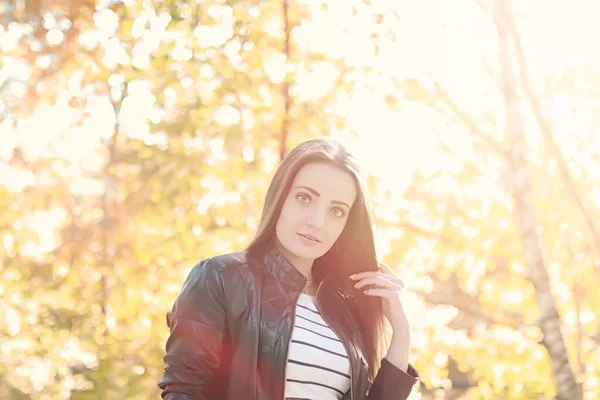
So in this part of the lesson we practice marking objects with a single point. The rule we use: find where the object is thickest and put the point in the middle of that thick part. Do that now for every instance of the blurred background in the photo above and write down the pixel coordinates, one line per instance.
(138, 137)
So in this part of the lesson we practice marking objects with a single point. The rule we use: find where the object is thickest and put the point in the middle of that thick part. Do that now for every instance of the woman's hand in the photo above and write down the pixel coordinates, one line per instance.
(387, 286)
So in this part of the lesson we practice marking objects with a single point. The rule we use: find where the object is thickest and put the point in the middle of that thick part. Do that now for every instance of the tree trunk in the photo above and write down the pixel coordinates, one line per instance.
(546, 131)
(285, 86)
(519, 181)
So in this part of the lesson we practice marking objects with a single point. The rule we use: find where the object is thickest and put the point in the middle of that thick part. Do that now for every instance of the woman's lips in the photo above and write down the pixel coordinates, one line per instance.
(309, 240)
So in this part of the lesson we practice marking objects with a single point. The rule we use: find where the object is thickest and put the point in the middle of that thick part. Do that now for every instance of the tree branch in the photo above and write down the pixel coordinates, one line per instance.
(500, 184)
(495, 145)
(483, 7)
(447, 240)
(449, 293)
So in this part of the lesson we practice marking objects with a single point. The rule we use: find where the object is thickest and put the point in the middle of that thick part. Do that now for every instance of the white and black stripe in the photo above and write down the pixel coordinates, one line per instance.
(318, 365)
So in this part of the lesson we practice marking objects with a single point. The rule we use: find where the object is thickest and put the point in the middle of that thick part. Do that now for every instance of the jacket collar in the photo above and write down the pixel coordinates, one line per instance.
(283, 270)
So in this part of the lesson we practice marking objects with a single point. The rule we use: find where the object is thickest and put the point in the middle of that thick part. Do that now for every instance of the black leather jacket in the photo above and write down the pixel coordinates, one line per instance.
(232, 324)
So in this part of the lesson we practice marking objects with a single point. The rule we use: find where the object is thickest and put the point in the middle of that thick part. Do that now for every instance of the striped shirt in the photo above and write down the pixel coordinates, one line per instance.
(318, 366)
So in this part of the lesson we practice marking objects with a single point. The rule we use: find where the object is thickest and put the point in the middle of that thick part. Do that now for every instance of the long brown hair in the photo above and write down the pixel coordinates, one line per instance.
(354, 250)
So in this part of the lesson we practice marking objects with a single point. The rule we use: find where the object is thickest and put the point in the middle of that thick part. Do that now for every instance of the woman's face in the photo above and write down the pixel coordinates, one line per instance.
(314, 212)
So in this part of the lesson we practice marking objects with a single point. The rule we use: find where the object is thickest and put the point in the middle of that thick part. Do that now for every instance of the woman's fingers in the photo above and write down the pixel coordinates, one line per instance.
(386, 270)
(379, 280)
(384, 293)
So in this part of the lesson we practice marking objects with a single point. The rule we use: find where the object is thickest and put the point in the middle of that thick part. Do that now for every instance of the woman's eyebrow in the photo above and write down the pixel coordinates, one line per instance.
(313, 191)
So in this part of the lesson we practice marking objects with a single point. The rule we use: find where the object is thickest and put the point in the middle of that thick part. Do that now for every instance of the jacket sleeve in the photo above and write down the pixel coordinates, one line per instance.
(197, 325)
(391, 383)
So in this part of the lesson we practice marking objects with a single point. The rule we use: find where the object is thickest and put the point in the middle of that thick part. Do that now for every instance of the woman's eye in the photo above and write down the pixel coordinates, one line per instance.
(339, 212)
(303, 197)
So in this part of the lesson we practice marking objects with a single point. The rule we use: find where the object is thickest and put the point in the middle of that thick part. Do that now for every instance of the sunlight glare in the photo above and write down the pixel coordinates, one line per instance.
(316, 82)
(107, 22)
(54, 37)
(13, 321)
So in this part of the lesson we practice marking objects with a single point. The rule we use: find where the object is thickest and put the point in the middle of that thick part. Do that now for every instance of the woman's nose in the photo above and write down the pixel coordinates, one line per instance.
(317, 219)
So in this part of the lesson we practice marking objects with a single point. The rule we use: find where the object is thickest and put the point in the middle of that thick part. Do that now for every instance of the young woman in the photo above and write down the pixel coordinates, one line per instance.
(300, 313)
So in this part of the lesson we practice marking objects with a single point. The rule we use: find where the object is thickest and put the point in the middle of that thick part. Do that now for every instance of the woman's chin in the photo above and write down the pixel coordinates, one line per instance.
(309, 254)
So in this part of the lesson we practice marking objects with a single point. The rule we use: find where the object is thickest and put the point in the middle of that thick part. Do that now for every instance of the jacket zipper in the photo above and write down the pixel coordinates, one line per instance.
(343, 343)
